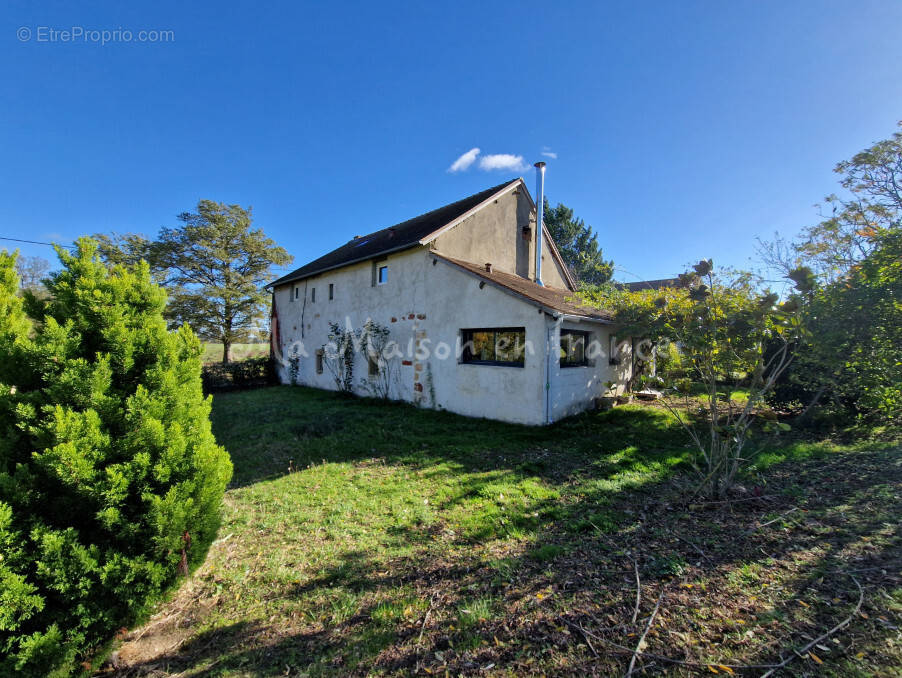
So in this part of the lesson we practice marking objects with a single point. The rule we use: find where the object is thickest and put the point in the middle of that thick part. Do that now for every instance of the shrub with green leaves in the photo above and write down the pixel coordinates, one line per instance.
(110, 478)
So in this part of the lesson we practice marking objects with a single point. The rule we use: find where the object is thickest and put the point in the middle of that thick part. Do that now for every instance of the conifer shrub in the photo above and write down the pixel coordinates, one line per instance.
(110, 478)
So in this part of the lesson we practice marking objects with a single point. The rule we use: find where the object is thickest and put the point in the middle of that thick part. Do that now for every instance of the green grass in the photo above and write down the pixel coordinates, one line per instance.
(360, 537)
(213, 352)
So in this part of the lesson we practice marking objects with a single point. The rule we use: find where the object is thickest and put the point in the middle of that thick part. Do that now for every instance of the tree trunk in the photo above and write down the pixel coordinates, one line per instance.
(226, 352)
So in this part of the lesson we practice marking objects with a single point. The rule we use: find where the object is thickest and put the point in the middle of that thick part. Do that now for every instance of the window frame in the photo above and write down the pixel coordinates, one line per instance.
(378, 264)
(466, 338)
(585, 334)
(379, 269)
(613, 352)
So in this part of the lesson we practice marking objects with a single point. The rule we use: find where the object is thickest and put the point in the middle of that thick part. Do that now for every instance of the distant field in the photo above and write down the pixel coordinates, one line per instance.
(213, 352)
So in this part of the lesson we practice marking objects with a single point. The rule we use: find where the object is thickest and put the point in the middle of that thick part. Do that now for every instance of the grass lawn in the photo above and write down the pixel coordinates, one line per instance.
(366, 538)
(213, 352)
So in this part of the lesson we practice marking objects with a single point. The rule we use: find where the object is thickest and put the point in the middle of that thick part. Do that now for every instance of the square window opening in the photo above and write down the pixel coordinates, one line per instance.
(573, 348)
(502, 346)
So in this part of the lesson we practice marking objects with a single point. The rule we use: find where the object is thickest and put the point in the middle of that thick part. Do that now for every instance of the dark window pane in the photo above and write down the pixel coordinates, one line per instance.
(573, 348)
(503, 346)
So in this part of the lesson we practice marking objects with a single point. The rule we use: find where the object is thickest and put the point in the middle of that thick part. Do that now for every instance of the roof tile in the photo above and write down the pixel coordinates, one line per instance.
(555, 299)
(392, 239)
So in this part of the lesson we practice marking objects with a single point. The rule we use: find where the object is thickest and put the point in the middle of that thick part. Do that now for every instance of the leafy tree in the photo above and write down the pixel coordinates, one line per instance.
(855, 324)
(215, 267)
(124, 249)
(853, 312)
(722, 324)
(110, 478)
(578, 245)
(14, 326)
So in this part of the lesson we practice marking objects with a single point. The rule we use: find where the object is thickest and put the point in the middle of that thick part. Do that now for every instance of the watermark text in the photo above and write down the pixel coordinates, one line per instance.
(83, 35)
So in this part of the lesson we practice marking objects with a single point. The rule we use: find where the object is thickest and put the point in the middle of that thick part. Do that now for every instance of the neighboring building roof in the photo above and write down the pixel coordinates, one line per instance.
(651, 284)
(547, 298)
(394, 238)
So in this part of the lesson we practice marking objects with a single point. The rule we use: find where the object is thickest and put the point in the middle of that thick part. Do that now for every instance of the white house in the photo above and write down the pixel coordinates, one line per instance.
(477, 323)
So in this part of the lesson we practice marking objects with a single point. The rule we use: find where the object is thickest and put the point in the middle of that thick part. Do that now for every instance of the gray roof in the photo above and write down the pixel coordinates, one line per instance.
(651, 284)
(392, 239)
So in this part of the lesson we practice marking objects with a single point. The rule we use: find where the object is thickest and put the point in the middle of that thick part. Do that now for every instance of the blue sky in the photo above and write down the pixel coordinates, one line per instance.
(681, 129)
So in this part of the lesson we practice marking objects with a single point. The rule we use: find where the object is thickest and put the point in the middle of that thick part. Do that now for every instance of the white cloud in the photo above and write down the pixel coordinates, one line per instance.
(550, 154)
(502, 161)
(463, 162)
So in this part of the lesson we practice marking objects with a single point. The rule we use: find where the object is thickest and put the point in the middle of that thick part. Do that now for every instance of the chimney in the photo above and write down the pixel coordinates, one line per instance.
(540, 216)
(488, 268)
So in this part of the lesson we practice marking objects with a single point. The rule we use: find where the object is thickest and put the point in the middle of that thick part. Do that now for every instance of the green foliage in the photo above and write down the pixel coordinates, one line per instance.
(578, 245)
(377, 347)
(856, 329)
(214, 267)
(338, 355)
(217, 266)
(14, 326)
(125, 249)
(852, 290)
(722, 324)
(110, 478)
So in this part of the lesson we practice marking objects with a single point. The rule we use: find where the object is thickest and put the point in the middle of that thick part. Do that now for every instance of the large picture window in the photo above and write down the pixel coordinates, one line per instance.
(505, 346)
(573, 348)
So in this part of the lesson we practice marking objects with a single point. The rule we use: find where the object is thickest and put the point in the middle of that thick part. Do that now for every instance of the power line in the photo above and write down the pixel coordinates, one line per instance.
(38, 242)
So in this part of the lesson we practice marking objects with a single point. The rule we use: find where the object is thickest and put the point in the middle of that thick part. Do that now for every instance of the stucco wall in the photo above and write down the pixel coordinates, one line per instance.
(495, 235)
(573, 389)
(305, 327)
(424, 305)
(492, 235)
(552, 272)
(427, 302)
(509, 393)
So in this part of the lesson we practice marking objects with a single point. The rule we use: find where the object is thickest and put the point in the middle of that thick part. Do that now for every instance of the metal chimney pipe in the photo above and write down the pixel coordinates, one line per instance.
(540, 217)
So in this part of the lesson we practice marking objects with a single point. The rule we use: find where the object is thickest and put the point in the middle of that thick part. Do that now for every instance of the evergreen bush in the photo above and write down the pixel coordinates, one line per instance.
(110, 478)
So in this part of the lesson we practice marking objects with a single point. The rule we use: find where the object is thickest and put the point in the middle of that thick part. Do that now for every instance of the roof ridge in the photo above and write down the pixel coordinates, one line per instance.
(402, 235)
(493, 189)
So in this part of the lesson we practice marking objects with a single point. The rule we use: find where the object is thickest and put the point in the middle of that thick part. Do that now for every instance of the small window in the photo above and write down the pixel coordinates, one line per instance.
(613, 353)
(373, 366)
(380, 272)
(504, 346)
(573, 348)
(319, 361)
(331, 291)
(295, 295)
(312, 295)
